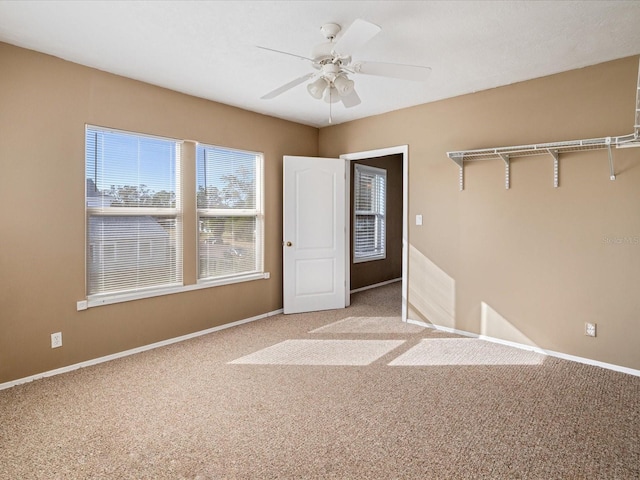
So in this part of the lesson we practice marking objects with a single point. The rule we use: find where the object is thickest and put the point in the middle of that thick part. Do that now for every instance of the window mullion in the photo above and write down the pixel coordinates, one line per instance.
(208, 212)
(133, 211)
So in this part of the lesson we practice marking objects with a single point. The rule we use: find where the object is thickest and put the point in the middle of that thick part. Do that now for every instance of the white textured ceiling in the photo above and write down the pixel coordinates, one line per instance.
(207, 48)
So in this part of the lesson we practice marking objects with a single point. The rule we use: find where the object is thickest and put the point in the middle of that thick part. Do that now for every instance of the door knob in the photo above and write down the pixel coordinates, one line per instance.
(289, 244)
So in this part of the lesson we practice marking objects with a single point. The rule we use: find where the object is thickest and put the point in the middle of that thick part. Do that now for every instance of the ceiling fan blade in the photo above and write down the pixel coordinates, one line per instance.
(287, 86)
(284, 53)
(415, 73)
(351, 100)
(359, 33)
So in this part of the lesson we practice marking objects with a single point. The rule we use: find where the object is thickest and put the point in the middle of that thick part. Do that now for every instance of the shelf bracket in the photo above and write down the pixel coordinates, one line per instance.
(556, 173)
(612, 175)
(507, 174)
(459, 159)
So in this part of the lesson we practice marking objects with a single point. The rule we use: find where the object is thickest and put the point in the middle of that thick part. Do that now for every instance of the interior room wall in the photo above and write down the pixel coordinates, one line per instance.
(529, 264)
(45, 103)
(533, 263)
(364, 274)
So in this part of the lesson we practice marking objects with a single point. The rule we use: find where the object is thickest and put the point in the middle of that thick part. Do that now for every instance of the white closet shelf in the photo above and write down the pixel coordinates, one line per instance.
(554, 149)
(498, 153)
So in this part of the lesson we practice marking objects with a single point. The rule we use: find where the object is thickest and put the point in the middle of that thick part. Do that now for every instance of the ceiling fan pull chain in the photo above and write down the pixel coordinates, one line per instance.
(330, 103)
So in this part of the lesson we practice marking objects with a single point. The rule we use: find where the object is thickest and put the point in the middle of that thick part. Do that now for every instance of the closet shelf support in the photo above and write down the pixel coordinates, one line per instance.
(556, 169)
(459, 159)
(612, 173)
(507, 173)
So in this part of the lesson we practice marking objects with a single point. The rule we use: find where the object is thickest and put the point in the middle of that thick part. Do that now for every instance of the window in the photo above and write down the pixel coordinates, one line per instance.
(369, 238)
(134, 234)
(230, 218)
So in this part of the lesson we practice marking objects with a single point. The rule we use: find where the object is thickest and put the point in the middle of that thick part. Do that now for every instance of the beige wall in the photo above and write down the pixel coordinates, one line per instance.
(44, 105)
(531, 264)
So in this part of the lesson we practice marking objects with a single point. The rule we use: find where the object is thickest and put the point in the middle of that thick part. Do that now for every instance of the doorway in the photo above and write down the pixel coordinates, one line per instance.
(373, 157)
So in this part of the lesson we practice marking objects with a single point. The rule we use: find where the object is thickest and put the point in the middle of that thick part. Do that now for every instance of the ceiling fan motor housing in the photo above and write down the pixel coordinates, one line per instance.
(330, 30)
(322, 53)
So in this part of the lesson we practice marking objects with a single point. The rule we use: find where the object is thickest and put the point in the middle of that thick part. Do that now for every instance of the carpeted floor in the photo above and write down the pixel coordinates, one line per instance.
(341, 394)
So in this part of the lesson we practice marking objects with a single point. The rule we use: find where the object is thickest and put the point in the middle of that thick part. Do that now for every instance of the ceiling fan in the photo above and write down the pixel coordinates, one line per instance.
(333, 64)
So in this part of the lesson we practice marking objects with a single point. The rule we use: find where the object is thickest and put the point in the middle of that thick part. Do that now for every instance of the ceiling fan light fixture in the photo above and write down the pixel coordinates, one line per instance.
(343, 85)
(331, 95)
(316, 88)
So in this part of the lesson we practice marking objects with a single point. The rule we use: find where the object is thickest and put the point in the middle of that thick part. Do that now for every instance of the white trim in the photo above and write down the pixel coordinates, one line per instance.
(133, 351)
(163, 343)
(381, 284)
(442, 329)
(90, 126)
(370, 258)
(107, 299)
(400, 149)
(226, 212)
(347, 229)
(133, 211)
(531, 348)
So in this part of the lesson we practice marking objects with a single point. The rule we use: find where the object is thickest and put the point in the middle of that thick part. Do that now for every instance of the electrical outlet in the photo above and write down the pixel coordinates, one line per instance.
(590, 329)
(56, 340)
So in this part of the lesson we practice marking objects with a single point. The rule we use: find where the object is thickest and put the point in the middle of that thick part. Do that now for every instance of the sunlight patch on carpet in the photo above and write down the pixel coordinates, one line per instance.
(369, 325)
(321, 352)
(465, 351)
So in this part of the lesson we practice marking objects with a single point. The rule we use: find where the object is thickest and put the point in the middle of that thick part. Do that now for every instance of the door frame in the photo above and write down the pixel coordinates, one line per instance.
(382, 152)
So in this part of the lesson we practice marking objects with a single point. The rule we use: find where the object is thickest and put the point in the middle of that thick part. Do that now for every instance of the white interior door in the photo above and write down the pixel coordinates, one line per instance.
(314, 234)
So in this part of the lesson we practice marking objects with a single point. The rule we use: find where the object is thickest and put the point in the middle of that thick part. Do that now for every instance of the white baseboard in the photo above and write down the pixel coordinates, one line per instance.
(133, 351)
(107, 358)
(551, 353)
(368, 287)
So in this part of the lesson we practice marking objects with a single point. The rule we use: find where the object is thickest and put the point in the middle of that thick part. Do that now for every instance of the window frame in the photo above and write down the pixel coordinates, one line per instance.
(185, 164)
(100, 211)
(379, 213)
(257, 212)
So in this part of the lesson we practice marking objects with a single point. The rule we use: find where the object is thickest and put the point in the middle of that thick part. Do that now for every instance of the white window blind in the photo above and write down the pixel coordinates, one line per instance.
(230, 217)
(133, 206)
(369, 239)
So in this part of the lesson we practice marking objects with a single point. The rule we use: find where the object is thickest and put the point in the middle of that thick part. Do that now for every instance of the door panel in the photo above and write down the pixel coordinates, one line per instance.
(315, 226)
(314, 234)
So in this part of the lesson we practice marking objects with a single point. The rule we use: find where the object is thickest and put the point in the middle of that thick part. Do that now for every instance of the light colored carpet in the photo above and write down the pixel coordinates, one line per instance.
(369, 325)
(465, 351)
(321, 352)
(185, 412)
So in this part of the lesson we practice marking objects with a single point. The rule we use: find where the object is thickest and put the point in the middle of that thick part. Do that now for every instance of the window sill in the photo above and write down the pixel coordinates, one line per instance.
(99, 300)
(369, 259)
